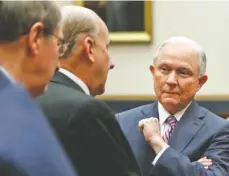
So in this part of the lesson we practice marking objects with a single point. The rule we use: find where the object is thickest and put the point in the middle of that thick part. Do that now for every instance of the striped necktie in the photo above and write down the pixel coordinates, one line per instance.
(172, 124)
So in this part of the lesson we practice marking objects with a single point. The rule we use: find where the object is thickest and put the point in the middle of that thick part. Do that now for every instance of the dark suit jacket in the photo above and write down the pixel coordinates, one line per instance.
(88, 130)
(199, 133)
(28, 146)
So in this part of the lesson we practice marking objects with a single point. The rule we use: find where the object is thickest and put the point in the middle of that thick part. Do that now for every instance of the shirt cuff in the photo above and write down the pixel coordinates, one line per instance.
(159, 155)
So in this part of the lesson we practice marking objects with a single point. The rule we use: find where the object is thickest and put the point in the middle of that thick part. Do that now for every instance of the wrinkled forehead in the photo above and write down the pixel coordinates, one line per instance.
(180, 51)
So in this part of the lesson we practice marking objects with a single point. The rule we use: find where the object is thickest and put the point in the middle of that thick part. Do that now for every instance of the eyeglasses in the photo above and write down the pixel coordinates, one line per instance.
(62, 45)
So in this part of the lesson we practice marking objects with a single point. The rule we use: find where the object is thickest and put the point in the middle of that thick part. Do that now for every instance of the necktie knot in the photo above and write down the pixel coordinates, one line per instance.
(172, 121)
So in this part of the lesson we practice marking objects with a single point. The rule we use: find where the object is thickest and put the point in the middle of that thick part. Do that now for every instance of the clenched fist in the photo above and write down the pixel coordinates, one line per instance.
(150, 128)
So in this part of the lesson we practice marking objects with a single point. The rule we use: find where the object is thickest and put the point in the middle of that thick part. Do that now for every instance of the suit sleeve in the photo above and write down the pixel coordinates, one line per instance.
(94, 130)
(8, 169)
(176, 164)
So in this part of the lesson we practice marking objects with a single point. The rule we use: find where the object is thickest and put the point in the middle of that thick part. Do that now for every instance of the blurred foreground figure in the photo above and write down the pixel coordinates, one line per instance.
(30, 36)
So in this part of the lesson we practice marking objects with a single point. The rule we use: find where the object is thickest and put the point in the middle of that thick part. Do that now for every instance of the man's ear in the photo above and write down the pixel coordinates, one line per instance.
(202, 80)
(152, 68)
(89, 48)
(34, 37)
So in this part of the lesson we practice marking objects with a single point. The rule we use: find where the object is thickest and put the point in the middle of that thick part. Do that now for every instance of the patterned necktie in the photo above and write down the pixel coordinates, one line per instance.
(172, 124)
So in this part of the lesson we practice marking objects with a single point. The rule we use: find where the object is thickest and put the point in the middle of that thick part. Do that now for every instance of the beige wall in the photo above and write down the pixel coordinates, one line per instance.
(205, 22)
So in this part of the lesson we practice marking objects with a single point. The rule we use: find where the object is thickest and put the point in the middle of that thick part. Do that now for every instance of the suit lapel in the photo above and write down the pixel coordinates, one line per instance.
(190, 123)
(4, 80)
(63, 79)
(149, 111)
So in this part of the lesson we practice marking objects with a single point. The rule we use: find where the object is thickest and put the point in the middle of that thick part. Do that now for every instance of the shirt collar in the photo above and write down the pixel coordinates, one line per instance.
(163, 114)
(6, 73)
(76, 79)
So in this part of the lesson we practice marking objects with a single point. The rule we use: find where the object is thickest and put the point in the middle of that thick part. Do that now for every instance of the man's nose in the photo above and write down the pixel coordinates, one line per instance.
(111, 65)
(172, 79)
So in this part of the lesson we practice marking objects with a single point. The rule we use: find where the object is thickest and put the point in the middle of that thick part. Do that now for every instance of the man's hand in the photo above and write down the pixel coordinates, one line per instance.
(205, 161)
(151, 130)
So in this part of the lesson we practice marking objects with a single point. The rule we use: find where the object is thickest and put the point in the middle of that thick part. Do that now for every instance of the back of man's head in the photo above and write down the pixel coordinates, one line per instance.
(30, 37)
(17, 17)
(78, 20)
(87, 55)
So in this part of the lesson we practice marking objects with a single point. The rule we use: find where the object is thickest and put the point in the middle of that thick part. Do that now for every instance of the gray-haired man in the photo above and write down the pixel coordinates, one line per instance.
(30, 39)
(176, 131)
(86, 126)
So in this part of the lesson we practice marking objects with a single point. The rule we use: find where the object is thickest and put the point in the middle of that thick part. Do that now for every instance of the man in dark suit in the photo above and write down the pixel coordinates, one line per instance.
(86, 126)
(29, 56)
(169, 136)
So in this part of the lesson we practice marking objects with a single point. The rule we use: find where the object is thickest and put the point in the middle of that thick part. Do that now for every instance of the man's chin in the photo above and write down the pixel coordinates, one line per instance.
(170, 102)
(39, 91)
(100, 92)
(97, 92)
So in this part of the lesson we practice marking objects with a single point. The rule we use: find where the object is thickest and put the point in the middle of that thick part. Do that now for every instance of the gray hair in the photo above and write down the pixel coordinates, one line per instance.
(185, 41)
(17, 17)
(77, 20)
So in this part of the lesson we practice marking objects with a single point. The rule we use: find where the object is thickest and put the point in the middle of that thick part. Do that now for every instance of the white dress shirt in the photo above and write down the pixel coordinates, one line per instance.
(6, 73)
(77, 80)
(163, 115)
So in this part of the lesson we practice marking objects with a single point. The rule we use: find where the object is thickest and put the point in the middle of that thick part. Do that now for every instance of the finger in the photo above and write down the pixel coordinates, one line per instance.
(202, 159)
(207, 164)
(154, 120)
(141, 124)
(205, 160)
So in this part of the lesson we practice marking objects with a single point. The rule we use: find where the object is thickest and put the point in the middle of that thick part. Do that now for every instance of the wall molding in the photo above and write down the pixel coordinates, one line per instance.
(153, 97)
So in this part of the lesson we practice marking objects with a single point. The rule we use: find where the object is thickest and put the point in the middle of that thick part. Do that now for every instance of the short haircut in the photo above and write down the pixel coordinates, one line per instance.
(192, 43)
(77, 20)
(17, 18)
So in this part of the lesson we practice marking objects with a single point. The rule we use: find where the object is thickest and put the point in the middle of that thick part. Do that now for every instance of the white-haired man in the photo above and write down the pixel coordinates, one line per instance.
(176, 131)
(86, 127)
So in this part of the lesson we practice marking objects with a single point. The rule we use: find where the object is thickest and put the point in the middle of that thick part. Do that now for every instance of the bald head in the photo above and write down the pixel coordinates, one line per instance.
(184, 43)
(78, 20)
